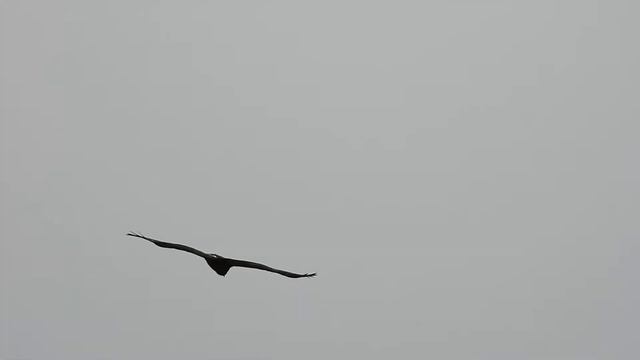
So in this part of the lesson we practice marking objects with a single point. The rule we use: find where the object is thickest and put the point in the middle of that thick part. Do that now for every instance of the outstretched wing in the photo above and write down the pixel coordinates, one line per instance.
(254, 265)
(171, 245)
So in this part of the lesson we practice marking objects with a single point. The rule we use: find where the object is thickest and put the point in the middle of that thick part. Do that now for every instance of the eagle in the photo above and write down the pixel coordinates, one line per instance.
(220, 264)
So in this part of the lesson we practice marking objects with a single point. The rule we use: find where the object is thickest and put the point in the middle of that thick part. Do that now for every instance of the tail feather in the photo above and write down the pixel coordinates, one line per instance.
(219, 266)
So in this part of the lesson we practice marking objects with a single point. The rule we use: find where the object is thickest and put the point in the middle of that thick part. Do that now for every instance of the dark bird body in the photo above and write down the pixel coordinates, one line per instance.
(220, 264)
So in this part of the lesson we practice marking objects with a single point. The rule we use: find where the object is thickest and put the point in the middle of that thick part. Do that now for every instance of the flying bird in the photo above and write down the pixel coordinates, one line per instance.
(220, 264)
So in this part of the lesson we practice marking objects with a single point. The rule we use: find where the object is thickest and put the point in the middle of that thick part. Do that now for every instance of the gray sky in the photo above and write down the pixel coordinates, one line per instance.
(462, 175)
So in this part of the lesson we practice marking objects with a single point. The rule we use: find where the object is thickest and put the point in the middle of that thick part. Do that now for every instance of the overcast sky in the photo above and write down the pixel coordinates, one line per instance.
(463, 176)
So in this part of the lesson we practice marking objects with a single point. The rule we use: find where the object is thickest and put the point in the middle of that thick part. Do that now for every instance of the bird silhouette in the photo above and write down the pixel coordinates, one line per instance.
(220, 264)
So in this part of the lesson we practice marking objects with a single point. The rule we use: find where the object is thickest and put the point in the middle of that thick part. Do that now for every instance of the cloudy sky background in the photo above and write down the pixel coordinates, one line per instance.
(463, 176)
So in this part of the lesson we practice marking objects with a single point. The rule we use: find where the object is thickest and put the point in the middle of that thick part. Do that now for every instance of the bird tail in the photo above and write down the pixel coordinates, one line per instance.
(220, 267)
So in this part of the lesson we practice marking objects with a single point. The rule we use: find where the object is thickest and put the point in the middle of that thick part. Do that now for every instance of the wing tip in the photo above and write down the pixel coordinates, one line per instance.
(138, 235)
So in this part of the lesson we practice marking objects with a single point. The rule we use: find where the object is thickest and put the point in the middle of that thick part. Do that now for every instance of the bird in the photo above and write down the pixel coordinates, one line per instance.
(220, 264)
